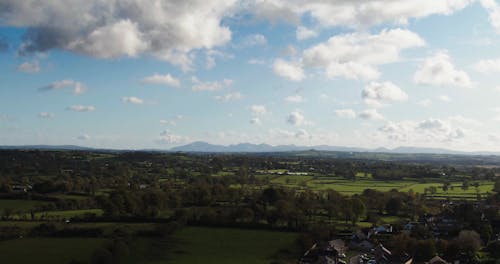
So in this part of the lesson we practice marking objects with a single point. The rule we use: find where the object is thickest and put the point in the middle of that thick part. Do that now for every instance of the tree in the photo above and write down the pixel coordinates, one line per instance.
(469, 241)
(425, 249)
(358, 209)
(496, 187)
(393, 205)
(465, 185)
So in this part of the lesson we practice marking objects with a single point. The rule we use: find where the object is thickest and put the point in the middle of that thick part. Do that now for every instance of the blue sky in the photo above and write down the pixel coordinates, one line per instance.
(155, 74)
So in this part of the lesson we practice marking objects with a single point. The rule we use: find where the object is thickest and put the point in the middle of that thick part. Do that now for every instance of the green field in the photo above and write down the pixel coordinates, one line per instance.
(224, 245)
(68, 213)
(350, 187)
(48, 250)
(19, 205)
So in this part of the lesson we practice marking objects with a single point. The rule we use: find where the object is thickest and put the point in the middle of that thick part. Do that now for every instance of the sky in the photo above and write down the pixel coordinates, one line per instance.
(141, 74)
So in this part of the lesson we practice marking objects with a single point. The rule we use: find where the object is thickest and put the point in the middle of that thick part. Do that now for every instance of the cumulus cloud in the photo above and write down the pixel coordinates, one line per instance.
(354, 14)
(303, 134)
(444, 98)
(356, 55)
(345, 113)
(45, 115)
(168, 122)
(29, 67)
(255, 121)
(81, 108)
(168, 30)
(165, 79)
(376, 93)
(167, 137)
(229, 97)
(493, 12)
(83, 137)
(290, 70)
(370, 114)
(254, 40)
(258, 110)
(296, 118)
(209, 86)
(424, 103)
(132, 100)
(488, 66)
(438, 70)
(427, 130)
(77, 87)
(303, 33)
(294, 99)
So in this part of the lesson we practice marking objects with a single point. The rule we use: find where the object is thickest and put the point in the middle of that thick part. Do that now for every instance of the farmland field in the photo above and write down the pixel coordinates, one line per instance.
(224, 245)
(48, 250)
(19, 205)
(350, 187)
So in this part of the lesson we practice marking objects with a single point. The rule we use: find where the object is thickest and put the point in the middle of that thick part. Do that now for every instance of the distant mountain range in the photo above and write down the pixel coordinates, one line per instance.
(200, 146)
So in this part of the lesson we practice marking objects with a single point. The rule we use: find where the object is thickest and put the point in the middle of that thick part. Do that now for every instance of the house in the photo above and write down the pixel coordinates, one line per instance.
(22, 188)
(383, 229)
(321, 253)
(382, 254)
(364, 245)
(339, 245)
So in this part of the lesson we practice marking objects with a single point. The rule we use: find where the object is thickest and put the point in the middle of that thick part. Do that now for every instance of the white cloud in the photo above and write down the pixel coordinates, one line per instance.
(444, 98)
(494, 13)
(488, 66)
(424, 103)
(303, 134)
(45, 115)
(167, 137)
(229, 97)
(255, 121)
(345, 113)
(289, 70)
(166, 79)
(81, 108)
(210, 56)
(356, 55)
(303, 33)
(376, 93)
(168, 122)
(296, 118)
(132, 100)
(29, 67)
(256, 61)
(354, 14)
(168, 30)
(294, 99)
(78, 87)
(258, 110)
(438, 70)
(210, 86)
(370, 114)
(426, 131)
(254, 40)
(83, 137)
(290, 50)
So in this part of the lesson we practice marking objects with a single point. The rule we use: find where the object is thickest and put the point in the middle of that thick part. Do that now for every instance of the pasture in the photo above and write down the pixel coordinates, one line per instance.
(226, 245)
(20, 205)
(48, 250)
(349, 187)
